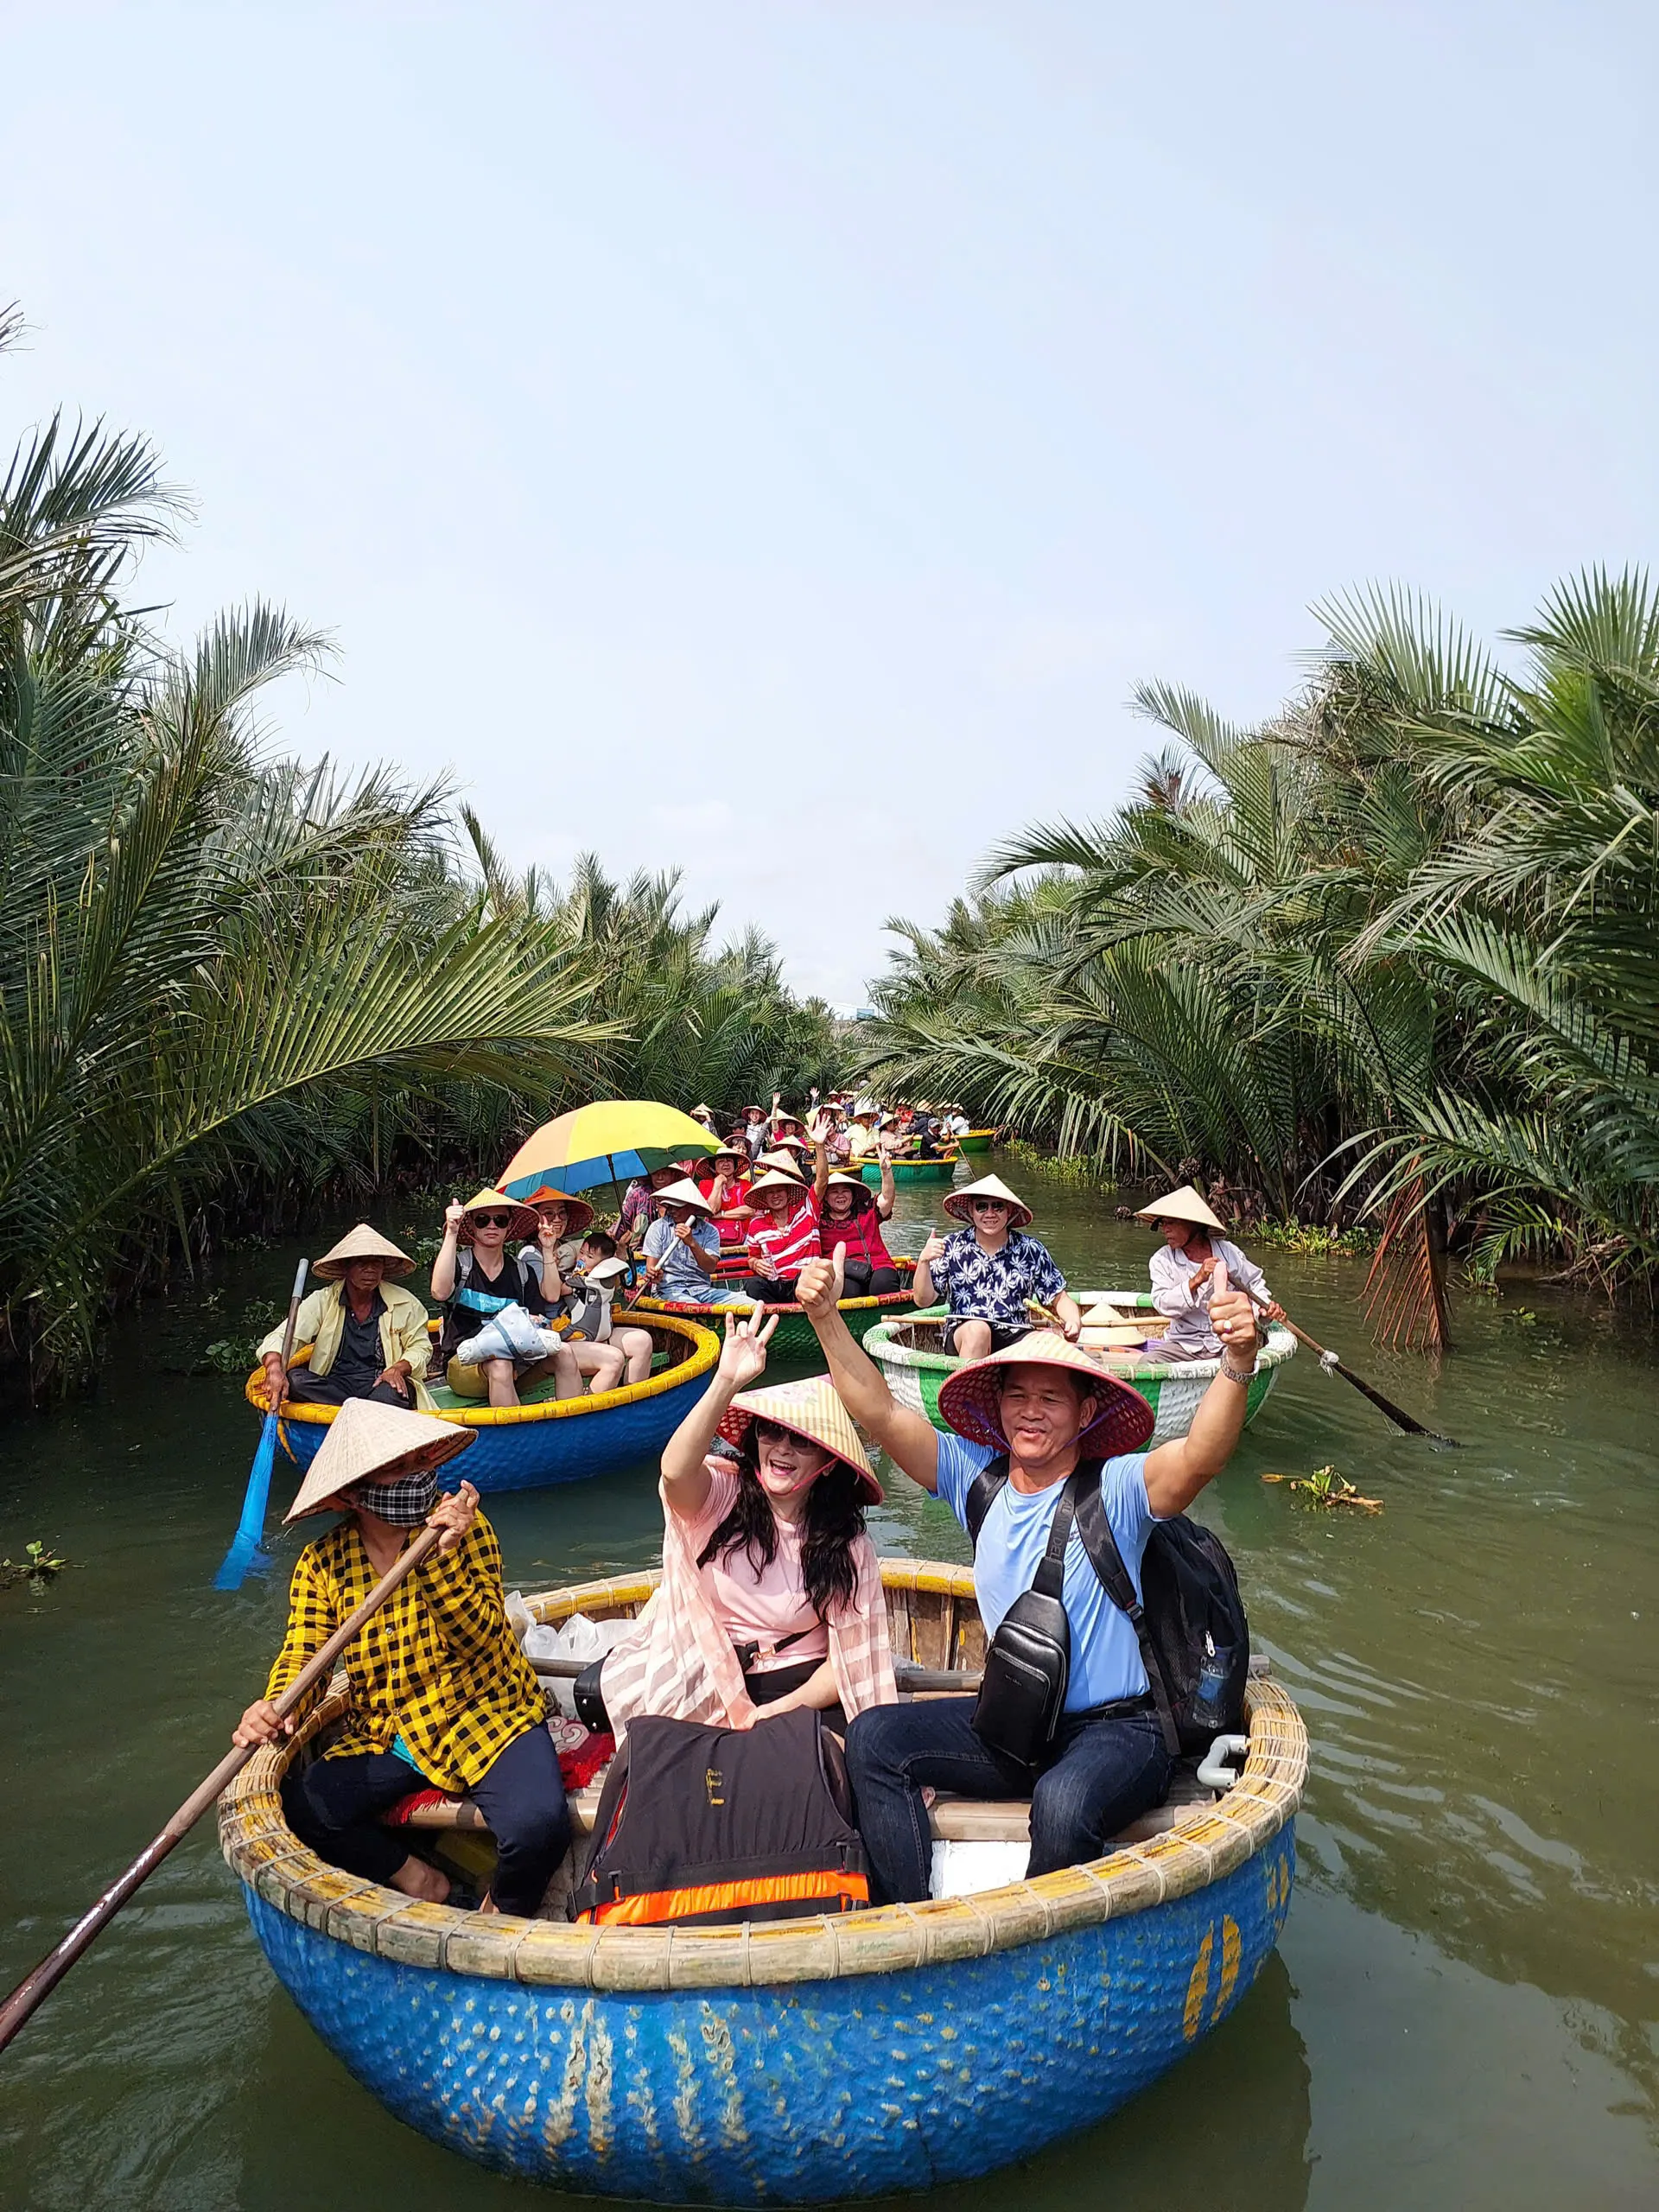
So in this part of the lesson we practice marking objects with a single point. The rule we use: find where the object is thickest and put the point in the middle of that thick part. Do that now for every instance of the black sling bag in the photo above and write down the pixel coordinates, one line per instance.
(1022, 1691)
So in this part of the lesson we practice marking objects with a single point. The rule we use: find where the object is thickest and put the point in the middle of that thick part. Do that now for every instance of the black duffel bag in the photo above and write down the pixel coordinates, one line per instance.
(704, 1826)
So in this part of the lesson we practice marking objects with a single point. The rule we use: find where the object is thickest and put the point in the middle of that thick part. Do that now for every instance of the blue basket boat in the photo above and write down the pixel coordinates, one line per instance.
(799, 2062)
(548, 1439)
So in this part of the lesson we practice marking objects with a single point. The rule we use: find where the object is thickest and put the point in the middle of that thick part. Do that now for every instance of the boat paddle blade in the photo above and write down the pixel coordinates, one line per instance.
(244, 1556)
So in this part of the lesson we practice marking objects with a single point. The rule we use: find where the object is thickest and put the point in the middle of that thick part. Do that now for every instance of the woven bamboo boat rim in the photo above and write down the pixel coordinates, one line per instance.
(677, 1309)
(264, 1851)
(880, 1344)
(705, 1353)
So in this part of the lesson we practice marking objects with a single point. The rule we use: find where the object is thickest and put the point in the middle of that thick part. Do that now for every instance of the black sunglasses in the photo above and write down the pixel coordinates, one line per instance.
(988, 1205)
(493, 1220)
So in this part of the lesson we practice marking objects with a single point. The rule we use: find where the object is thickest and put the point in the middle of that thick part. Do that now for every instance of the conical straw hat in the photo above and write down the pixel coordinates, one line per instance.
(988, 1186)
(682, 1193)
(578, 1214)
(362, 1243)
(970, 1400)
(810, 1410)
(1184, 1205)
(364, 1438)
(487, 1200)
(856, 1183)
(774, 1180)
(781, 1163)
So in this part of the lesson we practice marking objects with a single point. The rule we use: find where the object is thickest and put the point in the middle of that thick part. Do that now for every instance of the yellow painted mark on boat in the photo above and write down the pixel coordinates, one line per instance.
(685, 2097)
(562, 2113)
(723, 2063)
(597, 2089)
(1231, 1949)
(1198, 1987)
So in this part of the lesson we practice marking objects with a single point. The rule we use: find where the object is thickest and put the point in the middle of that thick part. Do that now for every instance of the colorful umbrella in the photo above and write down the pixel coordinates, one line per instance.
(606, 1142)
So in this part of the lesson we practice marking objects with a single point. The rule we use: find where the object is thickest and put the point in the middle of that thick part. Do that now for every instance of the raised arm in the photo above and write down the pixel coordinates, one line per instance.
(1176, 1472)
(907, 1438)
(884, 1197)
(922, 1287)
(443, 1268)
(742, 1361)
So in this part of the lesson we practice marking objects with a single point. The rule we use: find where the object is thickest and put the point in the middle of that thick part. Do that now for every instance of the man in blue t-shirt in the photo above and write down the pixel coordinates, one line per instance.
(1047, 1405)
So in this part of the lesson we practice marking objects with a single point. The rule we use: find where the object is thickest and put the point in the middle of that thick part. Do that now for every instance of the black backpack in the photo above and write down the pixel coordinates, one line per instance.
(1194, 1638)
(704, 1826)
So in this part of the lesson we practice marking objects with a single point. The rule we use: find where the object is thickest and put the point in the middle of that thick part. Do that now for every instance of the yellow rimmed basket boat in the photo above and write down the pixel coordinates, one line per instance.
(548, 1439)
(793, 2063)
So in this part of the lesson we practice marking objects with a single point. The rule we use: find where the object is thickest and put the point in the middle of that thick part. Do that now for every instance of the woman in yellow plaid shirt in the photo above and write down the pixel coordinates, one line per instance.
(442, 1695)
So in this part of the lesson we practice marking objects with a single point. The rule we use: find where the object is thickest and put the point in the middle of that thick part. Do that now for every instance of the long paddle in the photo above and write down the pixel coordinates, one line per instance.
(53, 1967)
(244, 1553)
(1386, 1406)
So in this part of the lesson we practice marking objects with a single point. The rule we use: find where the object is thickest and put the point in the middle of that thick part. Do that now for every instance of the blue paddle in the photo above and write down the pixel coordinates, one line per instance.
(244, 1556)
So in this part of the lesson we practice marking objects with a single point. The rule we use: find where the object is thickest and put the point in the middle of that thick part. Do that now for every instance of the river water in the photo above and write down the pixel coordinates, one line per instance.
(1462, 2012)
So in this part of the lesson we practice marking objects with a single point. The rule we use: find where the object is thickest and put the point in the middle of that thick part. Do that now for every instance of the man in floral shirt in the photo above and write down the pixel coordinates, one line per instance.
(986, 1272)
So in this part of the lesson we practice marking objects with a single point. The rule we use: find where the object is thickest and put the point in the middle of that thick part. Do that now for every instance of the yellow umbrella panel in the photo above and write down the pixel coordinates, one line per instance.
(609, 1141)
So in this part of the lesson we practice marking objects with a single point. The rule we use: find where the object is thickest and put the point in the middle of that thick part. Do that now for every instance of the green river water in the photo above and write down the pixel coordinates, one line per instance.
(1463, 2010)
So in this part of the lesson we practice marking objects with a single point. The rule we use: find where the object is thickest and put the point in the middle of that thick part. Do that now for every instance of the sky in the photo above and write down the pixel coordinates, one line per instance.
(771, 440)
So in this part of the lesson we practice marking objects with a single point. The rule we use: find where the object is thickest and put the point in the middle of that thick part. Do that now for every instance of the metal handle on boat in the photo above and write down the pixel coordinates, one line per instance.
(1215, 1768)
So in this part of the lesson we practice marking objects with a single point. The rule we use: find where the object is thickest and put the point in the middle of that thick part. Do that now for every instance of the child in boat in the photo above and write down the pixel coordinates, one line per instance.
(986, 1272)
(442, 1696)
(1183, 1275)
(771, 1598)
(682, 1247)
(475, 1276)
(781, 1237)
(1041, 1406)
(618, 1356)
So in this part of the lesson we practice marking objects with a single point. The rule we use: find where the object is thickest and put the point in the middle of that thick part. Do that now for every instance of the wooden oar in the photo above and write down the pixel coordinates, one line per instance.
(244, 1545)
(57, 1963)
(1333, 1365)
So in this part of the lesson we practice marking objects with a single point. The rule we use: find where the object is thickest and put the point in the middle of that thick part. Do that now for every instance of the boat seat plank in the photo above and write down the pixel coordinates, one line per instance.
(952, 1820)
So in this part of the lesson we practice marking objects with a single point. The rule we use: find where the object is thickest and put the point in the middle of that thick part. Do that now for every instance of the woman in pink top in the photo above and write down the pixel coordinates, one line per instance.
(770, 1597)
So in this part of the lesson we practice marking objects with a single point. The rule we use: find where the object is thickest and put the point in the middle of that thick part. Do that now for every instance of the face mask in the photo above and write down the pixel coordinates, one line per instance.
(405, 1502)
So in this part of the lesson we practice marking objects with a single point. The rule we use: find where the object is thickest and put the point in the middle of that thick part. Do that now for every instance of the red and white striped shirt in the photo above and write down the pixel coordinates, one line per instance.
(787, 1245)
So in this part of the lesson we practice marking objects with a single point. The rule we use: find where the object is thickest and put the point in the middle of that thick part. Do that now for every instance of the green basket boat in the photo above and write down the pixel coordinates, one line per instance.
(908, 1353)
(976, 1140)
(911, 1171)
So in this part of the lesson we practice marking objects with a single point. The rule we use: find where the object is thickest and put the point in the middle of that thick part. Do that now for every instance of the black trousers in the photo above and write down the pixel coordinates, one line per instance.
(306, 1388)
(334, 1806)
(771, 1290)
(863, 1280)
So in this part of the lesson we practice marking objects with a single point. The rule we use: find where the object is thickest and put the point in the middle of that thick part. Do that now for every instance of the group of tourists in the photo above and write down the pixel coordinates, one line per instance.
(771, 1600)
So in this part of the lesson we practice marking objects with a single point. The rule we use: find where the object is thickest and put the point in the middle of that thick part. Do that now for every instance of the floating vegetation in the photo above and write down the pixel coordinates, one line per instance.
(38, 1566)
(1306, 1237)
(1325, 1489)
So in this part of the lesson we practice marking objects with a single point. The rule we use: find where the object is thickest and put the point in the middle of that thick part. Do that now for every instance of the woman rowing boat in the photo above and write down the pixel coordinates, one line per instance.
(440, 1694)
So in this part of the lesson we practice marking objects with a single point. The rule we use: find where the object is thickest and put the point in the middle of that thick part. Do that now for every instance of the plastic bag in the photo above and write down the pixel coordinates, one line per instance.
(577, 1638)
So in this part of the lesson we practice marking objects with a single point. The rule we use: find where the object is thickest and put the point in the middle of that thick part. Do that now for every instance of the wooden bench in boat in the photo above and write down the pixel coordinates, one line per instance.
(953, 1819)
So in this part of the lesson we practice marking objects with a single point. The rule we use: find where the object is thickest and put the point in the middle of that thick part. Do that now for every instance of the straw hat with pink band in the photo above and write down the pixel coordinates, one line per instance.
(970, 1400)
(578, 1214)
(810, 1410)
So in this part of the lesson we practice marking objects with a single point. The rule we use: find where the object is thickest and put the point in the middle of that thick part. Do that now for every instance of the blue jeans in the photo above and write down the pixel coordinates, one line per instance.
(1100, 1775)
(334, 1806)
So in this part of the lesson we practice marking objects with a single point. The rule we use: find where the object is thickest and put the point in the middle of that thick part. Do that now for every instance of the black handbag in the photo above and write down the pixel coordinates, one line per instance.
(1022, 1692)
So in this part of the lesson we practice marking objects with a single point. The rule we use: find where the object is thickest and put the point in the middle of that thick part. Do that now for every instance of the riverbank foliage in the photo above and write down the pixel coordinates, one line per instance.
(1400, 944)
(233, 986)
